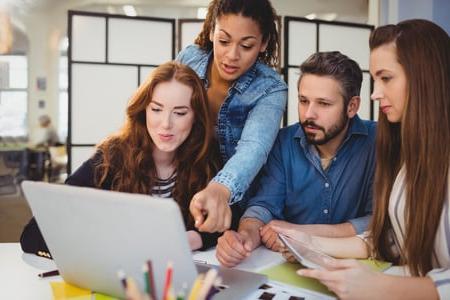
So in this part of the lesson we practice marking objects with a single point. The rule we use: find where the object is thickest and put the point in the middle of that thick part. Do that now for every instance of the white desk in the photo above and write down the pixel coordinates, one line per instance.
(19, 273)
(261, 258)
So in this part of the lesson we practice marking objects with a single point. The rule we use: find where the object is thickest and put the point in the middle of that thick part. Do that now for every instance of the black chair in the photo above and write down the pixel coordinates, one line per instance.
(17, 162)
(13, 169)
(38, 159)
(8, 185)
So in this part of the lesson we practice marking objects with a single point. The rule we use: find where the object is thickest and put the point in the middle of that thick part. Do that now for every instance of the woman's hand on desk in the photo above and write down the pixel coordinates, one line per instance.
(211, 202)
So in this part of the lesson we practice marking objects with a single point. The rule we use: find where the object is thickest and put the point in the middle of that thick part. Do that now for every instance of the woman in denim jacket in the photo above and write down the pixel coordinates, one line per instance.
(234, 55)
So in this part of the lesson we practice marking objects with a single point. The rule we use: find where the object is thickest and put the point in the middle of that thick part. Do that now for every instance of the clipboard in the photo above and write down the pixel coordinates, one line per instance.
(305, 254)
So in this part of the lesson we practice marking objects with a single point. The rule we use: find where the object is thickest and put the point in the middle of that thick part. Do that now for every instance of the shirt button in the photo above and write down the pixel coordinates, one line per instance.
(327, 184)
(334, 159)
(325, 211)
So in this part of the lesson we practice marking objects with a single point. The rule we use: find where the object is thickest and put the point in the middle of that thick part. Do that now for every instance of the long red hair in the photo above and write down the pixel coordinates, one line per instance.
(127, 161)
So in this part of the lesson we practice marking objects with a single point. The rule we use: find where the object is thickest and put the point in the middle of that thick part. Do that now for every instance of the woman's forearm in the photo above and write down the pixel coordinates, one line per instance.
(400, 287)
(348, 247)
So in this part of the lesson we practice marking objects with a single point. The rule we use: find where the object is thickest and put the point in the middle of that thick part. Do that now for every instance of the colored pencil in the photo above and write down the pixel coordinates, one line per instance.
(151, 280)
(168, 282)
(196, 287)
(146, 280)
(210, 277)
(123, 280)
(49, 273)
(132, 290)
(182, 294)
(212, 291)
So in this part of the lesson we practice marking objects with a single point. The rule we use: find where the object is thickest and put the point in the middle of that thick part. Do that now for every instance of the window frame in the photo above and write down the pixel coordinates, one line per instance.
(21, 89)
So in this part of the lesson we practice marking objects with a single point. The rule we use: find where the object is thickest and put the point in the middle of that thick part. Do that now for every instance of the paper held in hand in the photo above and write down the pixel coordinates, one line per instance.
(306, 254)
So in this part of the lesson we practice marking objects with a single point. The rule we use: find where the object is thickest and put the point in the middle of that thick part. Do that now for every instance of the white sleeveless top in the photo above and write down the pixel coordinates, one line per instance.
(441, 253)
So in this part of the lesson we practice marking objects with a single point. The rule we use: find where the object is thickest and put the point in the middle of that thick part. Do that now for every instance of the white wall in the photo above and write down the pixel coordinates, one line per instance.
(44, 31)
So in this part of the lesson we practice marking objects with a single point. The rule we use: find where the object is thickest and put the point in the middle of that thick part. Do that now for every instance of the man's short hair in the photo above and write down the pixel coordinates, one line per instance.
(338, 66)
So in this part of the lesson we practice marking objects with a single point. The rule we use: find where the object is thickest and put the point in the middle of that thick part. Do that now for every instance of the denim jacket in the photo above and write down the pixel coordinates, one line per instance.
(248, 120)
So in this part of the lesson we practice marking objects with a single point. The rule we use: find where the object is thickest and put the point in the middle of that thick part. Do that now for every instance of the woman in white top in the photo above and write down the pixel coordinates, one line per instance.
(410, 66)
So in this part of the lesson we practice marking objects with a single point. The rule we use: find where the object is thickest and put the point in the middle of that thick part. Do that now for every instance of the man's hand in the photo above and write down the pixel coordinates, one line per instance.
(212, 203)
(287, 254)
(269, 234)
(233, 247)
(270, 239)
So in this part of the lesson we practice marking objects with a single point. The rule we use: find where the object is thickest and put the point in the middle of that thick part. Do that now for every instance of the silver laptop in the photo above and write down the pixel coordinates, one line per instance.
(93, 233)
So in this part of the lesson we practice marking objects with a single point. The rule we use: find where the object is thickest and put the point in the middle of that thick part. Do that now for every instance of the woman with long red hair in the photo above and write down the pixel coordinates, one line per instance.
(165, 148)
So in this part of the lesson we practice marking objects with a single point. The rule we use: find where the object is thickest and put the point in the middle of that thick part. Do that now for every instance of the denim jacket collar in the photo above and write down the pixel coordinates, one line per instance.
(203, 67)
(240, 85)
(244, 81)
(357, 127)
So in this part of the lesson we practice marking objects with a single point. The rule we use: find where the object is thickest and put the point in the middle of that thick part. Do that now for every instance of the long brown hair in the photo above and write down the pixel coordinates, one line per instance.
(260, 11)
(127, 160)
(420, 142)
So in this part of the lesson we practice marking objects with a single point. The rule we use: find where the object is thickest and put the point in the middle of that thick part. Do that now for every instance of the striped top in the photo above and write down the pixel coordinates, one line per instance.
(441, 254)
(163, 187)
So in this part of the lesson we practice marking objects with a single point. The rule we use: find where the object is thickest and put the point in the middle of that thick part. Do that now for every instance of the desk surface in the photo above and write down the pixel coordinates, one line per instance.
(19, 272)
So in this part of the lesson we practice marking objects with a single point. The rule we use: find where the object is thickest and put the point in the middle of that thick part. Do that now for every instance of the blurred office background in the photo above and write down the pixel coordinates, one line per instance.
(34, 74)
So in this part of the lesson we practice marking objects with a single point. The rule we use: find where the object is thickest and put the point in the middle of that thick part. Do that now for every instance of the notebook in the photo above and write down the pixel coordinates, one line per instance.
(93, 233)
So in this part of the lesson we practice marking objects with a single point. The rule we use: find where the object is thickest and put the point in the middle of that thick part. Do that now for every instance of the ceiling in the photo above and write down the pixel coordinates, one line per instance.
(348, 10)
(55, 11)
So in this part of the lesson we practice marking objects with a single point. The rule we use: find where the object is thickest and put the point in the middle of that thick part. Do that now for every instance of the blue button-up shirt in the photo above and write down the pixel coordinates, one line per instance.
(294, 187)
(248, 119)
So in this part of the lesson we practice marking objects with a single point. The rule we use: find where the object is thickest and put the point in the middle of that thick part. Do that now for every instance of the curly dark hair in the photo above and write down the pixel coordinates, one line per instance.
(261, 11)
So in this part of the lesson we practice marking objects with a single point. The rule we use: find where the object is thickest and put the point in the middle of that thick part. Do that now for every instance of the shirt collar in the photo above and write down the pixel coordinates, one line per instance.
(357, 127)
(244, 81)
(203, 67)
(240, 85)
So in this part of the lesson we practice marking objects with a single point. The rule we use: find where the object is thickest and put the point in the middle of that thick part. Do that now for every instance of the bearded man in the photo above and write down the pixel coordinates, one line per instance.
(319, 175)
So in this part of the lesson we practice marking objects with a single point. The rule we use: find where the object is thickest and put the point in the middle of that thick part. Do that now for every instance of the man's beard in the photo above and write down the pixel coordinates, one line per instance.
(330, 134)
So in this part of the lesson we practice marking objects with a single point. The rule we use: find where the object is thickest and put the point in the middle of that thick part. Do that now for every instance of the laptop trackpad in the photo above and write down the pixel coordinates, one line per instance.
(236, 284)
